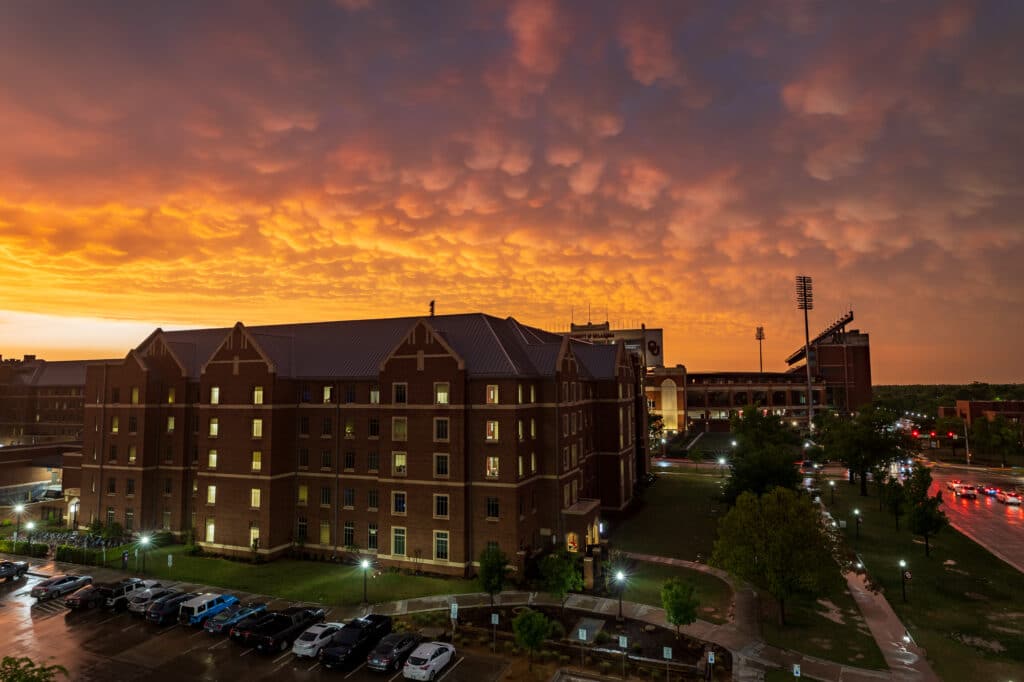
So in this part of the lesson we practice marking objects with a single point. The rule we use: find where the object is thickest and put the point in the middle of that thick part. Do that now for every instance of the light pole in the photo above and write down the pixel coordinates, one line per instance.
(19, 509)
(856, 514)
(967, 443)
(144, 543)
(721, 467)
(903, 578)
(365, 566)
(30, 526)
(832, 491)
(805, 302)
(620, 578)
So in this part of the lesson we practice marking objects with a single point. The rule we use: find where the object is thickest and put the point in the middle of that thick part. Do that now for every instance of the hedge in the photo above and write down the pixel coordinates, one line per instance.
(35, 550)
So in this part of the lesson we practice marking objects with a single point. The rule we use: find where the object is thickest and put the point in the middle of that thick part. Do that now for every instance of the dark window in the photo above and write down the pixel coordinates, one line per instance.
(111, 485)
(110, 515)
(372, 498)
(303, 457)
(371, 536)
(327, 427)
(440, 465)
(113, 453)
(350, 394)
(325, 495)
(350, 500)
(441, 429)
(301, 531)
(195, 453)
(307, 394)
(441, 505)
(115, 395)
(373, 461)
(325, 459)
(129, 519)
(304, 425)
(349, 534)
(350, 460)
(195, 423)
(374, 427)
(492, 507)
(399, 503)
(401, 393)
(129, 487)
(167, 486)
(133, 424)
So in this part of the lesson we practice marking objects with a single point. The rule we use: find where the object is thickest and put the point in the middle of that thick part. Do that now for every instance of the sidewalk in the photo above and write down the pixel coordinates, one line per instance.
(751, 655)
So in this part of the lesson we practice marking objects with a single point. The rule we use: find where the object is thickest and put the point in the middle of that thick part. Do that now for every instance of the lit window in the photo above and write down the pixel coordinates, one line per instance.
(375, 395)
(398, 460)
(441, 545)
(210, 526)
(519, 428)
(170, 396)
(441, 394)
(533, 427)
(212, 459)
(215, 395)
(211, 494)
(115, 424)
(491, 434)
(325, 532)
(533, 393)
(519, 393)
(135, 395)
(257, 395)
(214, 427)
(533, 461)
(131, 454)
(257, 428)
(328, 394)
(303, 494)
(254, 535)
(170, 424)
(492, 467)
(492, 394)
(257, 460)
(399, 428)
(254, 498)
(521, 466)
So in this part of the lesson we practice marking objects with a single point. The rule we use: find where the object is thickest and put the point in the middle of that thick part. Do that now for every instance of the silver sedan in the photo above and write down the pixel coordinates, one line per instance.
(59, 585)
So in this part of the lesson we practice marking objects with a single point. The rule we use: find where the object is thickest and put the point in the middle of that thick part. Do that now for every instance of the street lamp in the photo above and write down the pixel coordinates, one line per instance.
(144, 544)
(832, 490)
(365, 566)
(620, 578)
(721, 467)
(19, 509)
(30, 526)
(856, 514)
(903, 578)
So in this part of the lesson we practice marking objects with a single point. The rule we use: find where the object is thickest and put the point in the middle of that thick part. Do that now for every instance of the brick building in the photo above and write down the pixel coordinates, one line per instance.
(40, 401)
(842, 359)
(420, 440)
(971, 410)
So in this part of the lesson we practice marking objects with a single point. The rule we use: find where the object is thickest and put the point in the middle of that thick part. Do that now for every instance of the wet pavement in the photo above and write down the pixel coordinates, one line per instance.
(103, 645)
(997, 527)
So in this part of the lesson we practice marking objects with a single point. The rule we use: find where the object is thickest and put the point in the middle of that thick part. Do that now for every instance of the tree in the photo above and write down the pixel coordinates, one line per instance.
(763, 456)
(531, 628)
(894, 499)
(679, 599)
(25, 670)
(861, 443)
(560, 575)
(926, 518)
(779, 543)
(493, 563)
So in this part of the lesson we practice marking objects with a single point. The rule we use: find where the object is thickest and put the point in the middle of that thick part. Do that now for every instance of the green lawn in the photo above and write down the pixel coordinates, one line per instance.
(965, 607)
(714, 444)
(677, 518)
(300, 580)
(646, 580)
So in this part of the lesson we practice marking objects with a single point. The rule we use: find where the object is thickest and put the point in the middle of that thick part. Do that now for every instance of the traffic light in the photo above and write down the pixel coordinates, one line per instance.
(915, 433)
(933, 434)
(949, 434)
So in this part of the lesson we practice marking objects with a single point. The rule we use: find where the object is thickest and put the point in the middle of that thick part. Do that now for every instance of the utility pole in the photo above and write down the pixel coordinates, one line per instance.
(759, 335)
(805, 302)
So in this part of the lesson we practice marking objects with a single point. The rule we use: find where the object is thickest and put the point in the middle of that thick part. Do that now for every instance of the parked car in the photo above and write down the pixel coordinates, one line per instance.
(989, 490)
(138, 604)
(428, 660)
(196, 610)
(233, 615)
(1008, 497)
(966, 490)
(59, 585)
(165, 610)
(118, 594)
(13, 570)
(88, 597)
(390, 653)
(277, 629)
(349, 647)
(310, 642)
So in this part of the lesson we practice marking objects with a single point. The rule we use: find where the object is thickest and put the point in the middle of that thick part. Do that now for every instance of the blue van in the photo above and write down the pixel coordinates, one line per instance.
(196, 610)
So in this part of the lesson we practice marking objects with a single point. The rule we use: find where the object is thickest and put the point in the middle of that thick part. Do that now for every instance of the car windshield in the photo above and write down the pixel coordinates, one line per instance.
(416, 660)
(222, 616)
(307, 636)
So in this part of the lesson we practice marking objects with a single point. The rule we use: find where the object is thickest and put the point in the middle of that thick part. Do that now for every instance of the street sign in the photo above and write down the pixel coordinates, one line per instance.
(666, 652)
(455, 611)
(796, 670)
(582, 634)
(622, 642)
(494, 619)
(711, 657)
(170, 560)
(906, 575)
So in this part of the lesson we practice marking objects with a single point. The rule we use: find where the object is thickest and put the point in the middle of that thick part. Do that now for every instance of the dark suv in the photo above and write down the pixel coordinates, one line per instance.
(350, 645)
(165, 610)
(391, 652)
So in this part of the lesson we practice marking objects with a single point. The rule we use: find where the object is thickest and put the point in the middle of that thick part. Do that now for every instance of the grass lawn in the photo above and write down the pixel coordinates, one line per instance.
(646, 580)
(714, 443)
(677, 518)
(965, 607)
(300, 580)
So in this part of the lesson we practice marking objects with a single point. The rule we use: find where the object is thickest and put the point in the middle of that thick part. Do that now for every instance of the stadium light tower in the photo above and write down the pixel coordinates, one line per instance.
(805, 302)
(759, 335)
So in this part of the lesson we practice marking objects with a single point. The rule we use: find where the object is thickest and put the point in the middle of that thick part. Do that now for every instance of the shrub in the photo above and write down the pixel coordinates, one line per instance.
(508, 646)
(602, 637)
(605, 667)
(636, 649)
(563, 659)
(193, 550)
(557, 631)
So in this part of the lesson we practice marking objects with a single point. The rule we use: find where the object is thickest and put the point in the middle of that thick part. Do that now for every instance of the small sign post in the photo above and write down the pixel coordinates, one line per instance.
(711, 664)
(170, 561)
(581, 634)
(796, 670)
(494, 631)
(455, 616)
(666, 653)
(623, 644)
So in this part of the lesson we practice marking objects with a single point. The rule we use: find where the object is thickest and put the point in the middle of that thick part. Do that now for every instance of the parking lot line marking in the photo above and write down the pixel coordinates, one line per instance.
(355, 670)
(130, 627)
(166, 630)
(247, 652)
(107, 620)
(313, 667)
(282, 656)
(451, 669)
(201, 632)
(395, 676)
(217, 645)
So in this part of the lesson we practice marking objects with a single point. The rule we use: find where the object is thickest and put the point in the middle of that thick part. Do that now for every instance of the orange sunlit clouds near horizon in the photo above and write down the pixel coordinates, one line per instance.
(665, 163)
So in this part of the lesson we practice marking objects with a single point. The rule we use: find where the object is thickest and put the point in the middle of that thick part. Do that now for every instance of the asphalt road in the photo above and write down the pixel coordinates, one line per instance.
(997, 527)
(101, 645)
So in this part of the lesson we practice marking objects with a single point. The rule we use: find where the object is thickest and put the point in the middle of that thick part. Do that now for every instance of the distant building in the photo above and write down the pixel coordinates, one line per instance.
(648, 344)
(40, 401)
(421, 441)
(842, 359)
(970, 410)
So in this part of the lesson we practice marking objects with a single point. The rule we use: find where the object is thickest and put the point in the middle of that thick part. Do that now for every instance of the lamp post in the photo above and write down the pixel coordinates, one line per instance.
(856, 514)
(74, 515)
(721, 467)
(144, 544)
(365, 565)
(30, 526)
(903, 578)
(620, 578)
(832, 491)
(19, 509)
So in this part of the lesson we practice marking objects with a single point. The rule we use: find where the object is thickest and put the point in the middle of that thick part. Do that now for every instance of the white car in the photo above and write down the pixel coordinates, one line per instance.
(59, 585)
(1008, 497)
(141, 600)
(428, 660)
(966, 490)
(315, 638)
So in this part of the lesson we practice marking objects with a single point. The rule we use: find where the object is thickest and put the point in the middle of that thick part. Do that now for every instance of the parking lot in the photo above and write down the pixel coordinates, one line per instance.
(102, 645)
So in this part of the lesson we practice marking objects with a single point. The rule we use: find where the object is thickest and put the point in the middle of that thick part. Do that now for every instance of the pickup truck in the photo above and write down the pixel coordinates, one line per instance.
(13, 570)
(277, 630)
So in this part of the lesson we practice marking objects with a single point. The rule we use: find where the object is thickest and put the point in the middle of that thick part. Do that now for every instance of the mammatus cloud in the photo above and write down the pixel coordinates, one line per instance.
(669, 163)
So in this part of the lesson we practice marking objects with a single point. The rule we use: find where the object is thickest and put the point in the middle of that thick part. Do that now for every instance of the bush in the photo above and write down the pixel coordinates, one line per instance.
(508, 646)
(563, 659)
(605, 667)
(602, 637)
(193, 550)
(557, 631)
(636, 649)
(35, 550)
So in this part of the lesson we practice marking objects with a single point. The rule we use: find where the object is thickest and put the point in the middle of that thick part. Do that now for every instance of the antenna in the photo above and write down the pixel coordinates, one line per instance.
(431, 308)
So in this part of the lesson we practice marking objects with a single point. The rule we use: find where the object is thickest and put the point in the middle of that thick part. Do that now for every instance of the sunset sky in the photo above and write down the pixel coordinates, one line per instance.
(677, 163)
